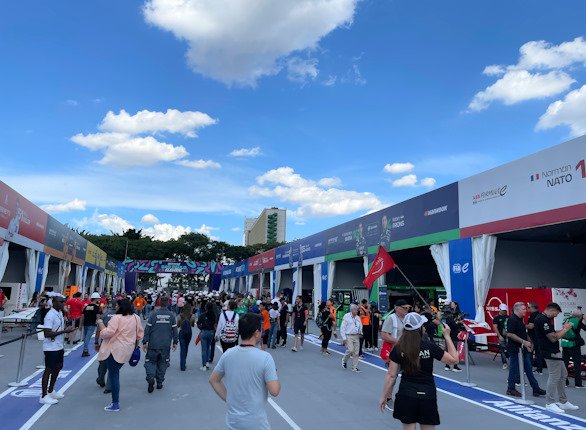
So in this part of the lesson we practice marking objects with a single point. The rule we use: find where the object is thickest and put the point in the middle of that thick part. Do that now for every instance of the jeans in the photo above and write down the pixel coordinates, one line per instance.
(183, 348)
(206, 338)
(272, 334)
(556, 382)
(88, 332)
(282, 335)
(156, 363)
(575, 355)
(514, 370)
(114, 377)
(146, 312)
(102, 372)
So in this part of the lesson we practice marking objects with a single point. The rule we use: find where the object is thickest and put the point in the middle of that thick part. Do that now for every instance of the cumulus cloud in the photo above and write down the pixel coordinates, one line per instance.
(166, 231)
(405, 181)
(571, 111)
(172, 121)
(541, 72)
(302, 70)
(73, 205)
(330, 182)
(150, 219)
(207, 230)
(238, 41)
(397, 168)
(199, 164)
(113, 223)
(246, 152)
(311, 198)
(123, 145)
(235, 228)
(428, 182)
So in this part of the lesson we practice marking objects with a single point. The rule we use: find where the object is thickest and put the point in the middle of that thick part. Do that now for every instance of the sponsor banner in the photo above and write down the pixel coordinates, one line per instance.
(167, 266)
(462, 274)
(313, 246)
(241, 268)
(260, 262)
(546, 181)
(568, 299)
(63, 243)
(430, 213)
(111, 266)
(95, 256)
(287, 254)
(510, 296)
(120, 269)
(228, 271)
(21, 221)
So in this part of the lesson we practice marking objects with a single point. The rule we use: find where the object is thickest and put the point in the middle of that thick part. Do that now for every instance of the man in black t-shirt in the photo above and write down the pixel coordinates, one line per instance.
(517, 338)
(538, 362)
(549, 339)
(498, 325)
(299, 322)
(89, 316)
(283, 320)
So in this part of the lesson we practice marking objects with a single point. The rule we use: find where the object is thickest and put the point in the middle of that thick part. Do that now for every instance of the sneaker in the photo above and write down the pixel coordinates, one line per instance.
(283, 345)
(456, 369)
(344, 364)
(48, 400)
(553, 407)
(326, 352)
(513, 392)
(151, 386)
(538, 392)
(568, 406)
(447, 368)
(376, 348)
(55, 395)
(159, 386)
(207, 365)
(294, 349)
(505, 366)
(361, 356)
(112, 407)
(579, 386)
(356, 369)
(538, 372)
(518, 384)
(85, 354)
(203, 368)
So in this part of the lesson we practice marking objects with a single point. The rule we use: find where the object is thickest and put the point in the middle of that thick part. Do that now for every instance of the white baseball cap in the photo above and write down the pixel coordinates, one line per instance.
(95, 295)
(503, 307)
(413, 321)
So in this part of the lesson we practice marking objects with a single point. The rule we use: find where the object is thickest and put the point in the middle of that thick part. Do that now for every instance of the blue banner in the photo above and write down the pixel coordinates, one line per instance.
(39, 280)
(324, 281)
(241, 268)
(462, 274)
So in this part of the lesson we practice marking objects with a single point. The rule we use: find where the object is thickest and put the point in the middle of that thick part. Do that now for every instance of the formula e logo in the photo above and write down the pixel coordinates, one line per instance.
(460, 268)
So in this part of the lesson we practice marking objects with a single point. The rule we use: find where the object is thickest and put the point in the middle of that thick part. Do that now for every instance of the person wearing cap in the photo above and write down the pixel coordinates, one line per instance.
(89, 316)
(393, 328)
(572, 343)
(351, 332)
(416, 399)
(498, 325)
(549, 339)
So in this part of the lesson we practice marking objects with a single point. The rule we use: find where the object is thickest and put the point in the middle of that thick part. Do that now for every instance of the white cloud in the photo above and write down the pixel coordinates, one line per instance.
(330, 81)
(246, 152)
(113, 223)
(330, 182)
(571, 112)
(428, 182)
(405, 181)
(299, 222)
(397, 168)
(311, 199)
(302, 70)
(520, 85)
(166, 231)
(73, 205)
(150, 219)
(172, 121)
(199, 164)
(541, 54)
(71, 102)
(235, 228)
(207, 230)
(238, 41)
(494, 70)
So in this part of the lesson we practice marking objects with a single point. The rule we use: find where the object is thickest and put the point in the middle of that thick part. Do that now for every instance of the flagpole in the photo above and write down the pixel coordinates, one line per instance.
(412, 286)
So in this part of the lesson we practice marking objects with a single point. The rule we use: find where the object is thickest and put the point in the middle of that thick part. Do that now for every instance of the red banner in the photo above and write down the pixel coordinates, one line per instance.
(264, 261)
(510, 296)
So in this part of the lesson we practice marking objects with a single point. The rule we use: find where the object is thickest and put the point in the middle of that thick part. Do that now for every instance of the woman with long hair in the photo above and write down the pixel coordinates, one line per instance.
(185, 323)
(207, 324)
(326, 328)
(416, 400)
(119, 339)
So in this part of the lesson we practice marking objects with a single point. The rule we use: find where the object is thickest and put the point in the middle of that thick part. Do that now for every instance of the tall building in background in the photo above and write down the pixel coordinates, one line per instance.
(269, 227)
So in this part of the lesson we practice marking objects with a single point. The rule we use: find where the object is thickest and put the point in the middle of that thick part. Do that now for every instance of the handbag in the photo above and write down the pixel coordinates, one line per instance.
(135, 357)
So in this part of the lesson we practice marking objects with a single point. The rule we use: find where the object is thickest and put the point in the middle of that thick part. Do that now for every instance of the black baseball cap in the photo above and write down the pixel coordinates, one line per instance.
(401, 302)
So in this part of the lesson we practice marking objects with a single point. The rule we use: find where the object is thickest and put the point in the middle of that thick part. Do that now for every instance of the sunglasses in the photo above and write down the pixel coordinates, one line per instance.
(406, 307)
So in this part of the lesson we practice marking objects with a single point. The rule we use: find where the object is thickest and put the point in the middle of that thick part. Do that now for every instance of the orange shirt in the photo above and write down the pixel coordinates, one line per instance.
(364, 316)
(139, 303)
(333, 313)
(266, 319)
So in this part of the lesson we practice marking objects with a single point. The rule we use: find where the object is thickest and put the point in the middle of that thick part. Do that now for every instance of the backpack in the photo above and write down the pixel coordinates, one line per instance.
(319, 321)
(186, 329)
(229, 332)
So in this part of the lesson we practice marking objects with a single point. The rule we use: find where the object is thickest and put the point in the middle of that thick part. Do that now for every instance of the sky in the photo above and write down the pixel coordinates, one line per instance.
(176, 116)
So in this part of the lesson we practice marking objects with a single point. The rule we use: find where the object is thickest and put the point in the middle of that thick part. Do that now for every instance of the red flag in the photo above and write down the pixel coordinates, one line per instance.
(381, 265)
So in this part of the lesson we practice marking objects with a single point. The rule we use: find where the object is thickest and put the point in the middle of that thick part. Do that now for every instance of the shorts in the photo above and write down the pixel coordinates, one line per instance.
(298, 327)
(410, 410)
(265, 337)
(54, 359)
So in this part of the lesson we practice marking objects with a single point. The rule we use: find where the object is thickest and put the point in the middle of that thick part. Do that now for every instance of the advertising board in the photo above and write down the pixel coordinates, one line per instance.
(168, 266)
(63, 243)
(262, 261)
(95, 256)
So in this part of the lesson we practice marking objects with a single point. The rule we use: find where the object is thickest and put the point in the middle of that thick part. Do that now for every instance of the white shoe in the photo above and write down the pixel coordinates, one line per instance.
(376, 348)
(294, 349)
(56, 395)
(568, 406)
(207, 366)
(203, 368)
(48, 400)
(553, 407)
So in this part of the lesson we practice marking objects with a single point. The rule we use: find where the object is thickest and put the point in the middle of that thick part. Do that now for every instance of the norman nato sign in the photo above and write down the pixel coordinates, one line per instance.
(543, 188)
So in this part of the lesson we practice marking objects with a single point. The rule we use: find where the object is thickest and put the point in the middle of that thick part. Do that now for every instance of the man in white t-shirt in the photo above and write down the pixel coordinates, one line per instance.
(54, 328)
(244, 377)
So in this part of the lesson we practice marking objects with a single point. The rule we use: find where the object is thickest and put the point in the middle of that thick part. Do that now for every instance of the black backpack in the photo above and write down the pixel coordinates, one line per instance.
(186, 329)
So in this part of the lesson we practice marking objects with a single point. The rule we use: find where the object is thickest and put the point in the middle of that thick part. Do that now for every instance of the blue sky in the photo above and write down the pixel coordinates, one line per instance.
(118, 109)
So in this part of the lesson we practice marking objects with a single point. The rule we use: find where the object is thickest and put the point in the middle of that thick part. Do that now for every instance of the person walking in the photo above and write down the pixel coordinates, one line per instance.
(351, 330)
(299, 323)
(53, 349)
(107, 313)
(365, 316)
(206, 322)
(517, 338)
(326, 327)
(160, 332)
(89, 316)
(185, 323)
(120, 338)
(498, 325)
(274, 321)
(549, 339)
(393, 328)
(416, 399)
(244, 377)
(139, 304)
(572, 343)
(284, 316)
(227, 330)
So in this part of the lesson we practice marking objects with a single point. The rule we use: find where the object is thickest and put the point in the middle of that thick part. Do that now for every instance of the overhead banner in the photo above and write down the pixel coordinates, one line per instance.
(262, 261)
(111, 266)
(228, 271)
(166, 266)
(21, 221)
(544, 188)
(287, 254)
(95, 256)
(63, 243)
(241, 268)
